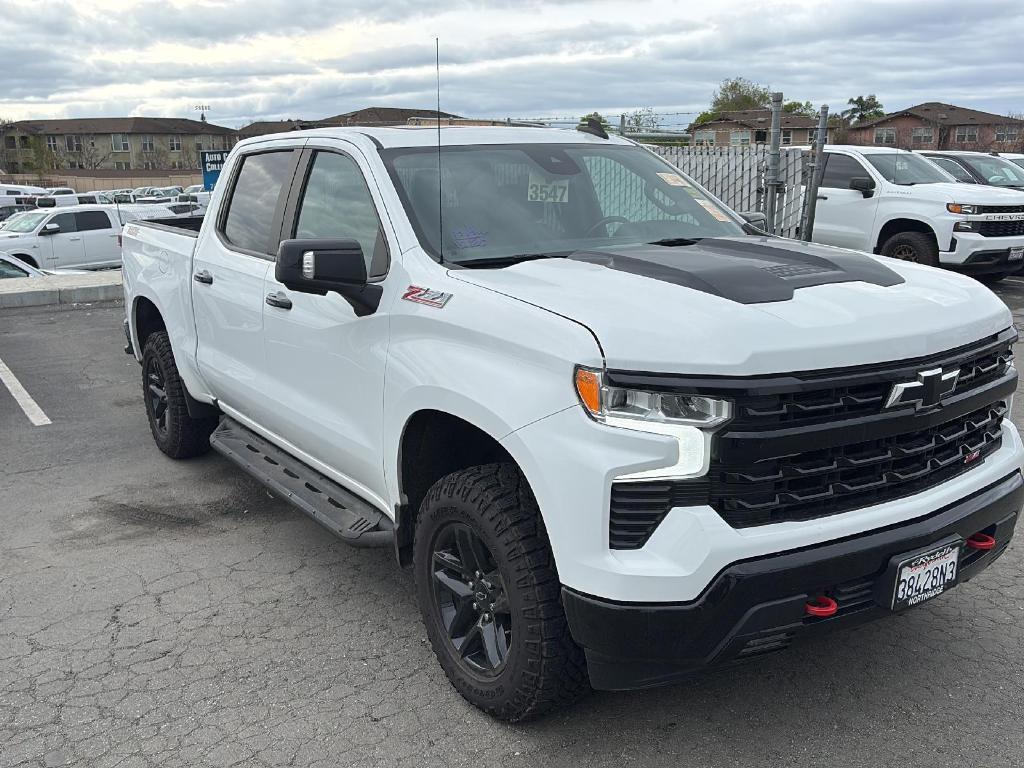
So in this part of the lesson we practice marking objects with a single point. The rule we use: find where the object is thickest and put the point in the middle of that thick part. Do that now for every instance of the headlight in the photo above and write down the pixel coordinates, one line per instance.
(690, 419)
(962, 208)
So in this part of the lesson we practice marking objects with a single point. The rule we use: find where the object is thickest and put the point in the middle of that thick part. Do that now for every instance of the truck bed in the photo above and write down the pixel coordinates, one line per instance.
(185, 225)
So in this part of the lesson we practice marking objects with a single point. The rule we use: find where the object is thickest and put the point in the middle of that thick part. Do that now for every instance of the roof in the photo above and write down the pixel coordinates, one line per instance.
(863, 149)
(154, 125)
(263, 127)
(426, 136)
(949, 114)
(382, 116)
(760, 119)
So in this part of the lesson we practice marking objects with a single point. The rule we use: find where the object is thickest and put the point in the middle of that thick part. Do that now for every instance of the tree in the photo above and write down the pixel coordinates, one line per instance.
(804, 108)
(642, 121)
(863, 108)
(739, 93)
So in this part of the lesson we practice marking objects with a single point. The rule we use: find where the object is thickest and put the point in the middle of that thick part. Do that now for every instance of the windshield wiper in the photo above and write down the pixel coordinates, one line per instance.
(516, 258)
(671, 242)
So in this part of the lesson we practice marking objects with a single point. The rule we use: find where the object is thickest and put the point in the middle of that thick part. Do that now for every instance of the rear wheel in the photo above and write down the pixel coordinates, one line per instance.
(176, 433)
(490, 596)
(918, 247)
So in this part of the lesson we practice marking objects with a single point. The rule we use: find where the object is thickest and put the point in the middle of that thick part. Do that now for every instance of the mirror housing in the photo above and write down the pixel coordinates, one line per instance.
(756, 219)
(322, 266)
(863, 184)
(50, 228)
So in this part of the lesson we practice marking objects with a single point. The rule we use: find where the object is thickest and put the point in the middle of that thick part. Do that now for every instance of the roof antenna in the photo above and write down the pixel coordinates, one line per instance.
(440, 215)
(593, 127)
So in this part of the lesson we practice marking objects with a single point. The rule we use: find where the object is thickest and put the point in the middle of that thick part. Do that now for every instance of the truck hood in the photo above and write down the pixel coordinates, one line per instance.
(752, 305)
(955, 192)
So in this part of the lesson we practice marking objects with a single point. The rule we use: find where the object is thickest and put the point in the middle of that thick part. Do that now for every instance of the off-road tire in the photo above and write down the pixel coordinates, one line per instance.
(917, 247)
(544, 669)
(182, 436)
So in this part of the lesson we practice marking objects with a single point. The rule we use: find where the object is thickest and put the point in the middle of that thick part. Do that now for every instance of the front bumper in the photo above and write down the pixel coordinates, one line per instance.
(756, 606)
(976, 254)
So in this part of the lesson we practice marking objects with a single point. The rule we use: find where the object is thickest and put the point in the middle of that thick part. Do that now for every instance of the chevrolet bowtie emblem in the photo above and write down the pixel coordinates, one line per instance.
(927, 392)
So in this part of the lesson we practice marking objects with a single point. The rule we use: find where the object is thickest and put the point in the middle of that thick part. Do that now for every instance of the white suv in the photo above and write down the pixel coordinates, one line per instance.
(900, 204)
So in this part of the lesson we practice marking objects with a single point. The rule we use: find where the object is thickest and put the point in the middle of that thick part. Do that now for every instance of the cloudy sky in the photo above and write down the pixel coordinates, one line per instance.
(267, 59)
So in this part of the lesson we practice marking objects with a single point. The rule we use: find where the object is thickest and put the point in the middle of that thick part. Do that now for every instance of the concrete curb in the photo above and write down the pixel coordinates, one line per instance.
(61, 289)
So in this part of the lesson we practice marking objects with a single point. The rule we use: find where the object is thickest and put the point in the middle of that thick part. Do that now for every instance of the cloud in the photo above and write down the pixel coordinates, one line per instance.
(312, 58)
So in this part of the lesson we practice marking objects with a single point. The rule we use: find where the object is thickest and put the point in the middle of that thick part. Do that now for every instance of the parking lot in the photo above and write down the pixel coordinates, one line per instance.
(174, 614)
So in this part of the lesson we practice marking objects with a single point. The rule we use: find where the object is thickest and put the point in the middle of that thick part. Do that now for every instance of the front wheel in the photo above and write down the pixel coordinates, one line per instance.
(176, 433)
(490, 596)
(918, 247)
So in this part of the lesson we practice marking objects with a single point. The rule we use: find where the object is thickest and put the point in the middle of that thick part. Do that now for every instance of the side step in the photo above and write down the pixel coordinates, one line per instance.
(357, 522)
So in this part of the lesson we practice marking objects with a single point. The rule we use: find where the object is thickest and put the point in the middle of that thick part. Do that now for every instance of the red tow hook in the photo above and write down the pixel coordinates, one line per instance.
(981, 541)
(821, 607)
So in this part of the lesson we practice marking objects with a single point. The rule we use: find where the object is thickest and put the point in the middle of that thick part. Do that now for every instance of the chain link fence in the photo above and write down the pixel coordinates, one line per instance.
(736, 175)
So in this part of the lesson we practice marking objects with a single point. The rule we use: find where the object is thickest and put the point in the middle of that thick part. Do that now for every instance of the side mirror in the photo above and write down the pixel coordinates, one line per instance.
(863, 184)
(756, 219)
(50, 229)
(319, 266)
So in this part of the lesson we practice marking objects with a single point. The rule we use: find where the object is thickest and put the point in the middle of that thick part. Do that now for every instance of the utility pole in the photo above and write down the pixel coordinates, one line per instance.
(771, 176)
(814, 171)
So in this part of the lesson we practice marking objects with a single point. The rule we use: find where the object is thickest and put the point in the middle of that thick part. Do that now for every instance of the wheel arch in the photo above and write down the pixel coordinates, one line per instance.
(435, 443)
(27, 258)
(146, 320)
(903, 224)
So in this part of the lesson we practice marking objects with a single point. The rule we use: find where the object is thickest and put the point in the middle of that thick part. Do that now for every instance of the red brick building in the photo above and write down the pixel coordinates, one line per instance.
(934, 125)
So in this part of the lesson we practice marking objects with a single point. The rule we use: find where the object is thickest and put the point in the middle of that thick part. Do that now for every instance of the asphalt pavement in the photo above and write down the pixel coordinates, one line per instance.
(161, 613)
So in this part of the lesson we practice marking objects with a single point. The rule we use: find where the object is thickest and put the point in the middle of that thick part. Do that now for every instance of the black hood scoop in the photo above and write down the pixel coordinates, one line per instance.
(750, 270)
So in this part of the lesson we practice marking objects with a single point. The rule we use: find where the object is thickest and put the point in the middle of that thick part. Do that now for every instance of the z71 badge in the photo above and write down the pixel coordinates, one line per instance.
(428, 296)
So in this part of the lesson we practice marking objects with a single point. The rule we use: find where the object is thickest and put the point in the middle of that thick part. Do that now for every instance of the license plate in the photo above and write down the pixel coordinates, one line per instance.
(926, 575)
(1017, 254)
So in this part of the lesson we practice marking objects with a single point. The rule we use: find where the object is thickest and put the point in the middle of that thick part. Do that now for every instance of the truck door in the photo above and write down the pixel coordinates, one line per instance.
(844, 217)
(326, 364)
(65, 248)
(228, 270)
(100, 238)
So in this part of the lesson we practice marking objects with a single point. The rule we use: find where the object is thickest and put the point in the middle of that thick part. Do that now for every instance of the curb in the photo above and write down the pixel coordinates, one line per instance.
(61, 290)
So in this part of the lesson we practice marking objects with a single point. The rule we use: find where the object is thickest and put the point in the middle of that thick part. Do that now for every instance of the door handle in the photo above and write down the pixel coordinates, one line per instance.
(279, 299)
(823, 197)
(203, 276)
(74, 239)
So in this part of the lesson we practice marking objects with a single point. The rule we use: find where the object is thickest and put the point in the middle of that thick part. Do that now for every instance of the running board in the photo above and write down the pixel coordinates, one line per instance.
(356, 521)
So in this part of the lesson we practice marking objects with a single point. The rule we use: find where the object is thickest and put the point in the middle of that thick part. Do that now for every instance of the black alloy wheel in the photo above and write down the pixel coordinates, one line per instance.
(470, 599)
(156, 395)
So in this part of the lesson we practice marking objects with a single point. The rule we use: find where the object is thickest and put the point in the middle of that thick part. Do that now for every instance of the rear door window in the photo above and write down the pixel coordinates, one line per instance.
(91, 220)
(252, 209)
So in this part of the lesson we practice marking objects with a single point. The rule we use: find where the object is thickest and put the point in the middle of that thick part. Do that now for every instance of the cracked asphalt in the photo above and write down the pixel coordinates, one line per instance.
(160, 613)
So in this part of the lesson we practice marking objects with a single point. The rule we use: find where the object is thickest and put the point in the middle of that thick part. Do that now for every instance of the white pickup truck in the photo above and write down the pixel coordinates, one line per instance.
(618, 434)
(901, 204)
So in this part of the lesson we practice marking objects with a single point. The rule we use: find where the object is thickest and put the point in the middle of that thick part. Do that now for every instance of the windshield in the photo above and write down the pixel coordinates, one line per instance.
(504, 201)
(906, 169)
(23, 222)
(995, 170)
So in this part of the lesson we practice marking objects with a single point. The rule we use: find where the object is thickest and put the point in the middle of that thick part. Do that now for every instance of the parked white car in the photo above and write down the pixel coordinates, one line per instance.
(83, 236)
(1017, 158)
(58, 201)
(60, 191)
(12, 267)
(20, 190)
(900, 204)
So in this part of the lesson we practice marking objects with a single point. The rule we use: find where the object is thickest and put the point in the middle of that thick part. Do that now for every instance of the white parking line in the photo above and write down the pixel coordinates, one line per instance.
(22, 397)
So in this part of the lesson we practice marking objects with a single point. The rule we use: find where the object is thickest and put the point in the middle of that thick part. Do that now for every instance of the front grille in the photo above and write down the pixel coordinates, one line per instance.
(1000, 209)
(822, 399)
(999, 228)
(808, 445)
(832, 480)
